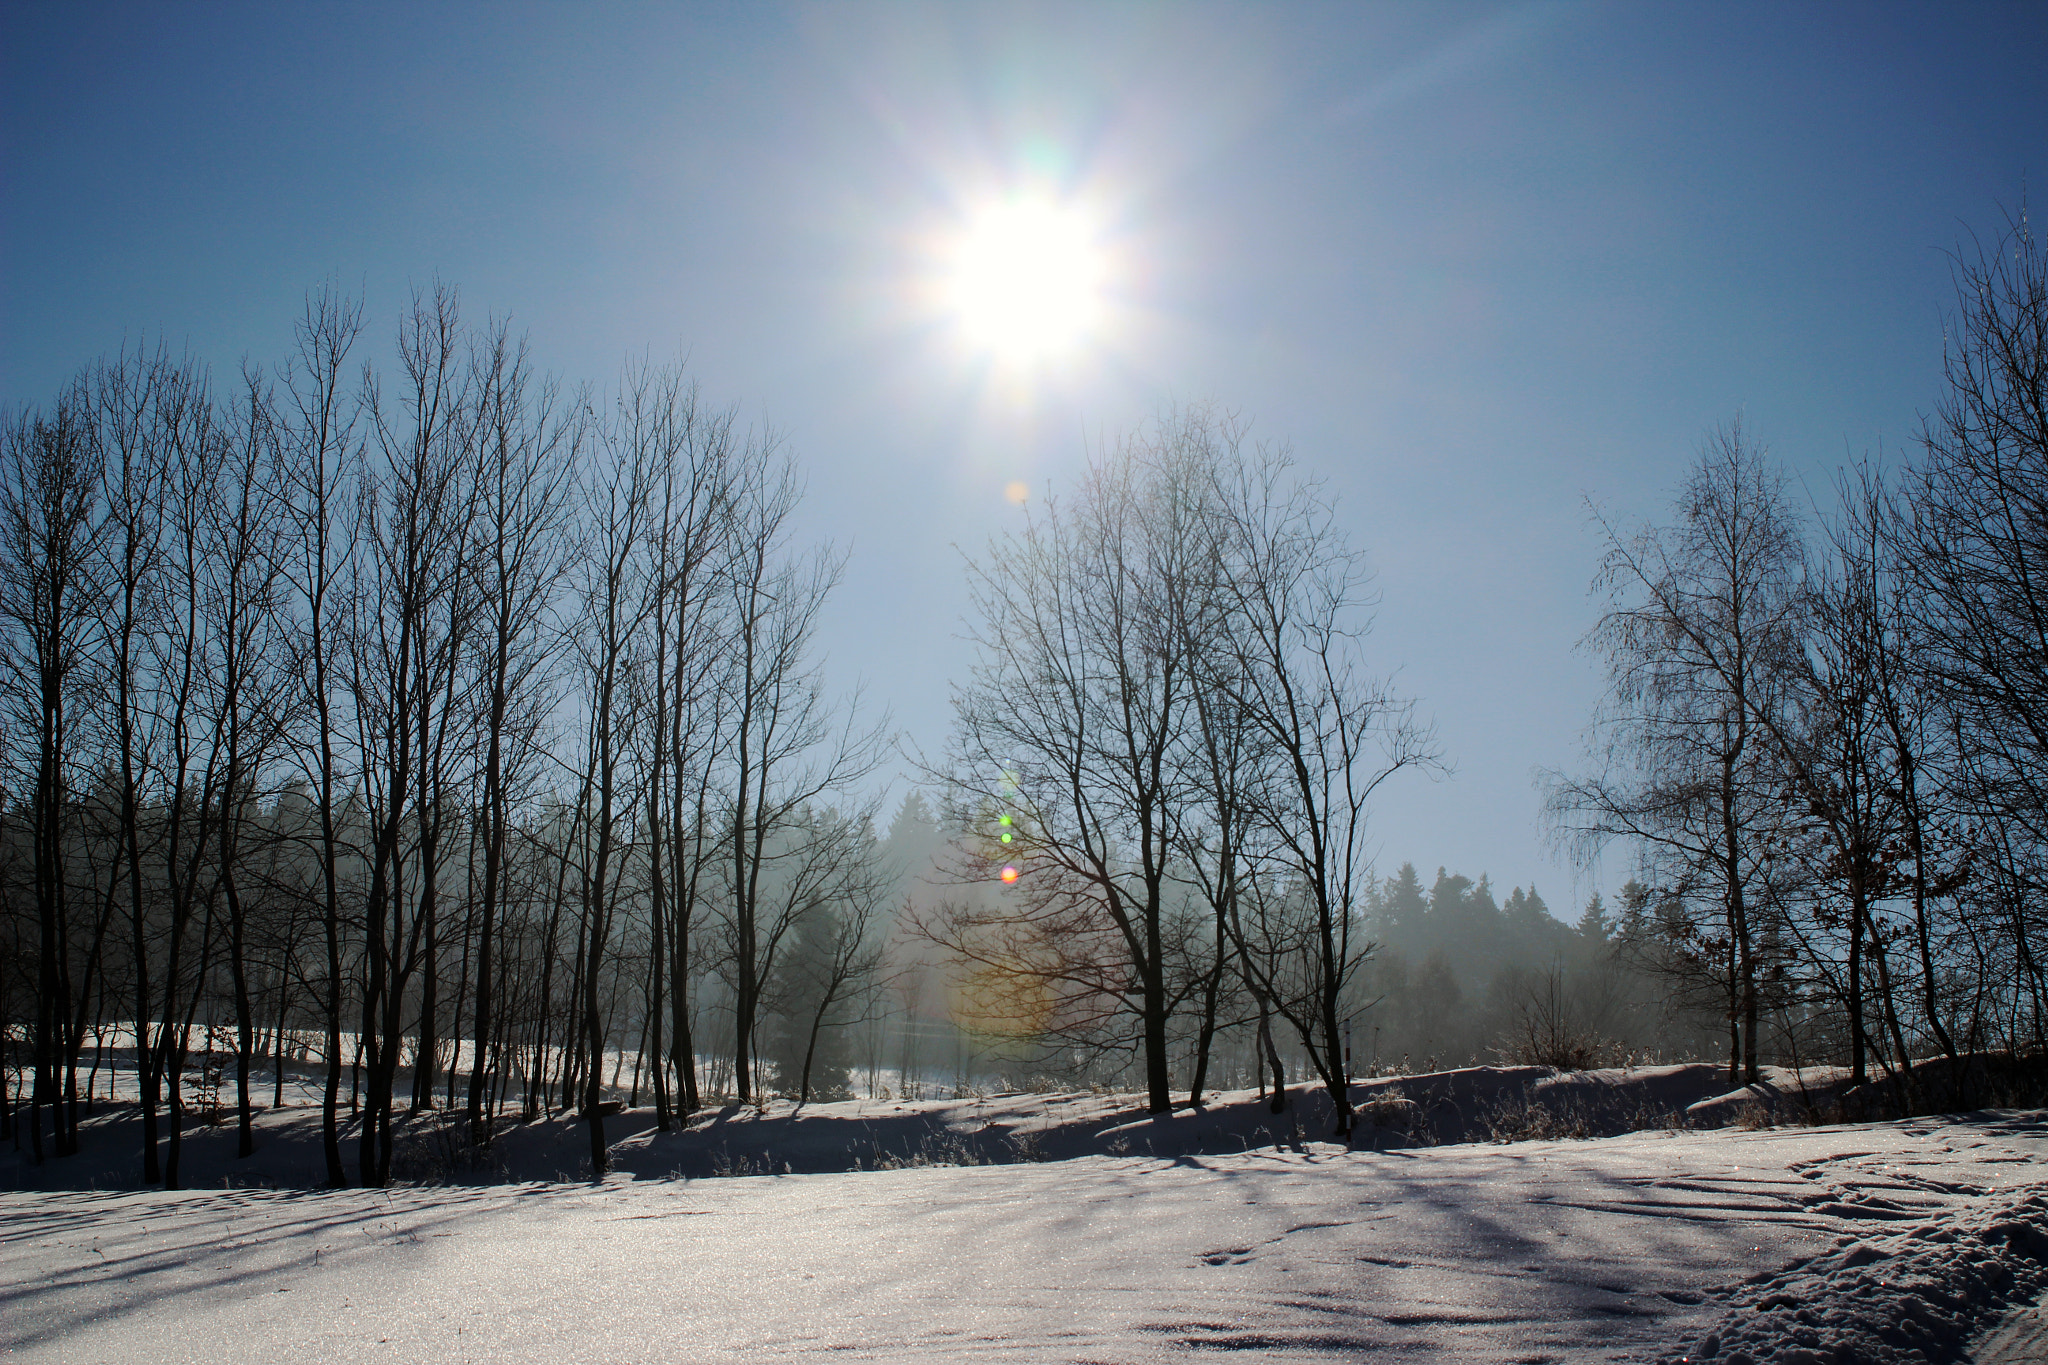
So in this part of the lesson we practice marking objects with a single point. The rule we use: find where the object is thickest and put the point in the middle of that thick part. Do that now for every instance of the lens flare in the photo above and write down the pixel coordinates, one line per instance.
(1009, 874)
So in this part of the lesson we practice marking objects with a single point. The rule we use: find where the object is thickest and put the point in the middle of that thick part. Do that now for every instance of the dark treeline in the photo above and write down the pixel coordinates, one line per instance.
(1461, 976)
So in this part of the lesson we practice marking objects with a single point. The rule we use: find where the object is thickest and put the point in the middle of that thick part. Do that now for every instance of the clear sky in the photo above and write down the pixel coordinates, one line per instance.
(1476, 264)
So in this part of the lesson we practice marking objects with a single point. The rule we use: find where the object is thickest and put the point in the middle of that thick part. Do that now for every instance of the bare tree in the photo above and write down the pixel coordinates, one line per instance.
(700, 470)
(409, 628)
(1702, 624)
(1170, 694)
(613, 605)
(1081, 691)
(248, 693)
(49, 505)
(833, 971)
(1329, 734)
(1855, 745)
(128, 396)
(305, 642)
(1974, 543)
(315, 455)
(184, 664)
(789, 751)
(525, 440)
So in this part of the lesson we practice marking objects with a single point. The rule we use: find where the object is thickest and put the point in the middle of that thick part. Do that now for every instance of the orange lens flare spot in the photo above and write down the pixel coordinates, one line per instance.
(1009, 874)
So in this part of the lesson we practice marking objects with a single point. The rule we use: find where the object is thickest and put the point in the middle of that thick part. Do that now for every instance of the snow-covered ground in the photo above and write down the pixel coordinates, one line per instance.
(1719, 1244)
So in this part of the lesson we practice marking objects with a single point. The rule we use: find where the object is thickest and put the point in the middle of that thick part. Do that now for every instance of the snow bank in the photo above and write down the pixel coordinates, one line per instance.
(1932, 1085)
(1470, 1104)
(1919, 1294)
(1521, 1103)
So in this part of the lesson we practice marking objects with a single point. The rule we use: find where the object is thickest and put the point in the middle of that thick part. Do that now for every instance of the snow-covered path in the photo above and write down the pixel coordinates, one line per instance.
(1560, 1251)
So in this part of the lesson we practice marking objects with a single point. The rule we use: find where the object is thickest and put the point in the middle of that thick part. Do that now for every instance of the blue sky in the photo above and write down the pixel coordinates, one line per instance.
(1473, 263)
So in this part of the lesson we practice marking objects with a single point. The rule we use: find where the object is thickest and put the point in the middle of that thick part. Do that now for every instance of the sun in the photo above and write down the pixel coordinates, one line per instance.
(1026, 280)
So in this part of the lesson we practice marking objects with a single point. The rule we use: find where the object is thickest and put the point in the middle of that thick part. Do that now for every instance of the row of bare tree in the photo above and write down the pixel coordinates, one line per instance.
(330, 685)
(473, 721)
(1827, 736)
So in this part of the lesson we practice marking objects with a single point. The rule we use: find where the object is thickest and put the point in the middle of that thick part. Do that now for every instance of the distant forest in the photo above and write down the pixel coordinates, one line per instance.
(456, 734)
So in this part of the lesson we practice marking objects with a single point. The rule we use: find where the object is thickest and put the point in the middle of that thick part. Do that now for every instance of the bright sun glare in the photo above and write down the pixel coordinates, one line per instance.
(1026, 280)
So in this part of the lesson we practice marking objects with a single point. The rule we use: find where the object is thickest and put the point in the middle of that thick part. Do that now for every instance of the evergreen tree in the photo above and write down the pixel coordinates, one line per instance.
(1596, 926)
(915, 839)
(1401, 905)
(1436, 1000)
(1635, 912)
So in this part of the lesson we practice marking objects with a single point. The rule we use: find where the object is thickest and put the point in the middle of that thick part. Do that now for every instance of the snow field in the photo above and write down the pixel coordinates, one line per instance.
(1623, 1248)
